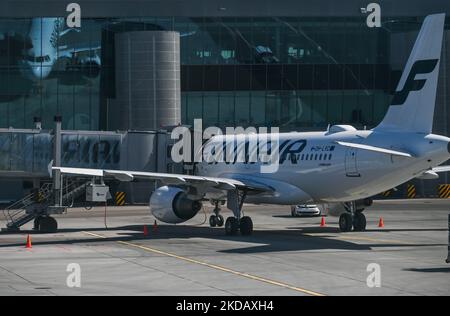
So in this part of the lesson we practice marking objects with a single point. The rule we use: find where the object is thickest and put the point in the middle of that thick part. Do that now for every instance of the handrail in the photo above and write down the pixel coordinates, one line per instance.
(43, 197)
(25, 202)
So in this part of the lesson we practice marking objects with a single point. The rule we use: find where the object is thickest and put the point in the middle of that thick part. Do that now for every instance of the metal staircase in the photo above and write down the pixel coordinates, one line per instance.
(41, 203)
(16, 214)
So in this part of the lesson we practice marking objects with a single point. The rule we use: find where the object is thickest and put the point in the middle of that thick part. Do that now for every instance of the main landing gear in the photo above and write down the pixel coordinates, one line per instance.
(352, 219)
(244, 225)
(237, 223)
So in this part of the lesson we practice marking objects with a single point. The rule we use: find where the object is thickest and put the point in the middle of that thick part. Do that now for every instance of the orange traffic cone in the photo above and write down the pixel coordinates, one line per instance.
(155, 227)
(145, 230)
(29, 246)
(322, 223)
(381, 223)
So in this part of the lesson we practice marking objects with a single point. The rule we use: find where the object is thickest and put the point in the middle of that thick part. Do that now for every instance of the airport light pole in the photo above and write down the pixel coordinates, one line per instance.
(448, 248)
(38, 126)
(57, 160)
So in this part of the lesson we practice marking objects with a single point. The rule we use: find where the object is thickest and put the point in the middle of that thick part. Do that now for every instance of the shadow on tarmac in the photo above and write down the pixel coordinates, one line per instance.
(429, 270)
(261, 241)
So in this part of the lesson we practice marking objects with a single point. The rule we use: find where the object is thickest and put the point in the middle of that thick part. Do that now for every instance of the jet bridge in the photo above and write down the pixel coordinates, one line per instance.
(26, 158)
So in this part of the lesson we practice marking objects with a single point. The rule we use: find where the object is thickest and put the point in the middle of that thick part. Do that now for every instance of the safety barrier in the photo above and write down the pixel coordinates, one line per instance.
(120, 198)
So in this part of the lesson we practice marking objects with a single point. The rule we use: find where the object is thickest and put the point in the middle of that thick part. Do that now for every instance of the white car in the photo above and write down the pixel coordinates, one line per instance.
(305, 210)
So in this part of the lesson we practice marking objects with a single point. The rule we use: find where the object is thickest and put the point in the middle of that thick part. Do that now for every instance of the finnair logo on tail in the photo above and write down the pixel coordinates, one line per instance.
(413, 84)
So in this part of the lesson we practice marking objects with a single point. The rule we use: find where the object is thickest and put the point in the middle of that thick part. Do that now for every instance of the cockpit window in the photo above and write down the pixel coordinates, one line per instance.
(38, 59)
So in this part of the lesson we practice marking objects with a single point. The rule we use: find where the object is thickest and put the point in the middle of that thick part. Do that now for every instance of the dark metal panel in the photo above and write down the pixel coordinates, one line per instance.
(192, 8)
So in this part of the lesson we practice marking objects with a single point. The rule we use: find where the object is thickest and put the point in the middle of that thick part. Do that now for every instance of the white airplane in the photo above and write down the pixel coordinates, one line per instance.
(45, 50)
(45, 35)
(340, 165)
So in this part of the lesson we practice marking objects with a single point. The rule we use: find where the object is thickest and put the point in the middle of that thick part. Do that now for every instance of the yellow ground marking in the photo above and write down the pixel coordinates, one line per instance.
(376, 240)
(213, 266)
(356, 238)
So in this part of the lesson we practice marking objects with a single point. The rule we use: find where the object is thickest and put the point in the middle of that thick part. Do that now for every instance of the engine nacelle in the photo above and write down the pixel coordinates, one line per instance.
(171, 205)
(90, 67)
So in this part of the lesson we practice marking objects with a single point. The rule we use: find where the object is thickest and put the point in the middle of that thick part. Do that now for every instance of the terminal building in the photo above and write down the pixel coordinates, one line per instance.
(133, 71)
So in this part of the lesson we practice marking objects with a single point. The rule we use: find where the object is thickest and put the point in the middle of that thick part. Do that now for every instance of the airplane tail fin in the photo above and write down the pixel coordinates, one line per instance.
(412, 108)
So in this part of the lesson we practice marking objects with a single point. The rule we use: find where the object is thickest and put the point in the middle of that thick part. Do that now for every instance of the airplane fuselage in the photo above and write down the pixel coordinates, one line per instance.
(41, 57)
(318, 169)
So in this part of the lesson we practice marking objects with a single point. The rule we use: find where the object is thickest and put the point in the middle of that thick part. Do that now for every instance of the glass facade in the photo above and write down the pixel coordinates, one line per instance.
(294, 73)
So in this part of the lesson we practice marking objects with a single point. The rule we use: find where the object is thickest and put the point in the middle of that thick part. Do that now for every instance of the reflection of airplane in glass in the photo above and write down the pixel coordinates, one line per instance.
(44, 35)
(46, 50)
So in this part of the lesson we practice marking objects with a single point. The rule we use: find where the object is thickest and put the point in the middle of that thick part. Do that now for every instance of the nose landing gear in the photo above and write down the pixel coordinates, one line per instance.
(216, 219)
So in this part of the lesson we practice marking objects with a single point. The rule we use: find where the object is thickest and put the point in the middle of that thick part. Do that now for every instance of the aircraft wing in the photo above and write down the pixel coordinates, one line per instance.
(441, 169)
(169, 179)
(375, 149)
(433, 173)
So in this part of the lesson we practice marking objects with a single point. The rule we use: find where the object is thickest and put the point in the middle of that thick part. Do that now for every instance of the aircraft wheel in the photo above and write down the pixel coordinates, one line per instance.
(231, 226)
(246, 226)
(213, 221)
(345, 222)
(359, 222)
(220, 221)
(48, 225)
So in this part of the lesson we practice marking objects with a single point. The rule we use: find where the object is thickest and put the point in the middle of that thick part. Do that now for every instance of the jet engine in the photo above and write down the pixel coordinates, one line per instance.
(90, 66)
(171, 205)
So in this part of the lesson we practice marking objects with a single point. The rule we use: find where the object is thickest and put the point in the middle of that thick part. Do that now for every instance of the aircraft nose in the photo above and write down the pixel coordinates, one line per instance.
(40, 72)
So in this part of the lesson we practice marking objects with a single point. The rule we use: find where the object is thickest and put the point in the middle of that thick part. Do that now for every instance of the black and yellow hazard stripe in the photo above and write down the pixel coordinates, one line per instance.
(120, 198)
(387, 193)
(411, 191)
(444, 191)
(40, 197)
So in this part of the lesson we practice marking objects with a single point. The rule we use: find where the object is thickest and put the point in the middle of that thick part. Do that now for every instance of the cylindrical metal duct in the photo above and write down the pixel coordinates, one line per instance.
(147, 80)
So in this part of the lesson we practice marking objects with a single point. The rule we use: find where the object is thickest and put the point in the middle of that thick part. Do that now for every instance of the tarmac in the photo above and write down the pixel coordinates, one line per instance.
(284, 256)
